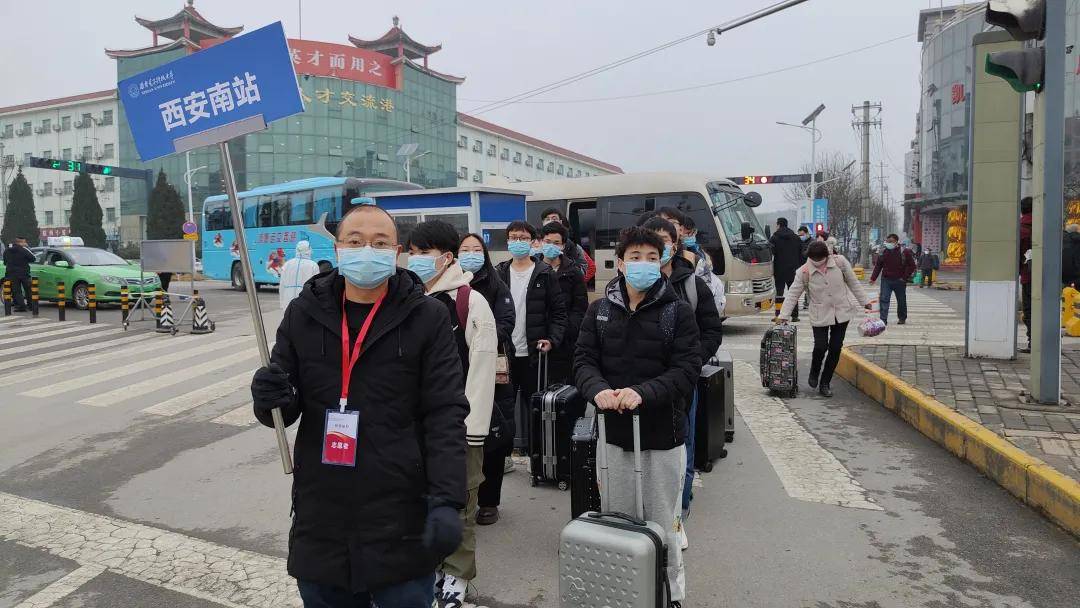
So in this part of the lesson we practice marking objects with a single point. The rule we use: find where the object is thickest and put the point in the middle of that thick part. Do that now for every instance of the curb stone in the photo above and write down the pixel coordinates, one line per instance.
(1039, 485)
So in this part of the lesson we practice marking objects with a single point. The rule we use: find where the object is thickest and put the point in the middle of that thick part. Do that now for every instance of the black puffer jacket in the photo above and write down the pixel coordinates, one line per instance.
(787, 252)
(633, 353)
(359, 527)
(545, 306)
(488, 283)
(572, 285)
(708, 319)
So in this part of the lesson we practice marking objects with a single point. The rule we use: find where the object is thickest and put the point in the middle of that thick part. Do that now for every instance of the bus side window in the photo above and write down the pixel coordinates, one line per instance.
(328, 201)
(613, 214)
(265, 211)
(251, 211)
(280, 210)
(301, 208)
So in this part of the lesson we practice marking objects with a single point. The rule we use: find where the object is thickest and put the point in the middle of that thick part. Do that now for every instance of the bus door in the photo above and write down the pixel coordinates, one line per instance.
(582, 216)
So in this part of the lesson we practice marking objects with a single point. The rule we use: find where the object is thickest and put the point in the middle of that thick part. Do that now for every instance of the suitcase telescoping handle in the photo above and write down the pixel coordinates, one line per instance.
(541, 371)
(602, 463)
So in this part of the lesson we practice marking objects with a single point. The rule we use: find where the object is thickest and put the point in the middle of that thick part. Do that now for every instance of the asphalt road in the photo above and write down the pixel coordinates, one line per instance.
(131, 474)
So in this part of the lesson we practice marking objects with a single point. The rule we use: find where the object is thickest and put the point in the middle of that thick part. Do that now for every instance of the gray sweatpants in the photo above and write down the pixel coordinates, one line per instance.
(663, 472)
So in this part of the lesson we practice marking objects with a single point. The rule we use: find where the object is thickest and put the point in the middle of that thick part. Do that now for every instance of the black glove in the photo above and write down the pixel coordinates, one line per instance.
(270, 389)
(442, 532)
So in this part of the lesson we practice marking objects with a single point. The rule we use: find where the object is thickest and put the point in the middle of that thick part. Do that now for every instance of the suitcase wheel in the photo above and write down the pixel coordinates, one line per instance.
(723, 452)
(729, 436)
(708, 466)
(533, 481)
(564, 486)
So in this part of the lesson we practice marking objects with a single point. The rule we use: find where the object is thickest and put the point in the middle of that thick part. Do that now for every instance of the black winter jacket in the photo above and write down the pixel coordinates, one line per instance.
(572, 285)
(708, 318)
(360, 528)
(1070, 257)
(545, 306)
(17, 260)
(787, 252)
(634, 354)
(497, 293)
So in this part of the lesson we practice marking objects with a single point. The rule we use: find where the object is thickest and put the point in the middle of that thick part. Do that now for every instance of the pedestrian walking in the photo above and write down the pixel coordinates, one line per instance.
(369, 366)
(431, 257)
(639, 349)
(1025, 267)
(827, 278)
(787, 255)
(895, 266)
(804, 238)
(928, 263)
(17, 259)
(473, 257)
(1070, 255)
(295, 273)
(572, 285)
(691, 289)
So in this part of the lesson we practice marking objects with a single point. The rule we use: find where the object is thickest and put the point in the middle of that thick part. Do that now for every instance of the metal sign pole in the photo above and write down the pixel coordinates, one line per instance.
(252, 296)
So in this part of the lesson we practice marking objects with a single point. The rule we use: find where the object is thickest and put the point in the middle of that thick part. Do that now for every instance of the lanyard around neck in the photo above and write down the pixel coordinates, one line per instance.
(350, 356)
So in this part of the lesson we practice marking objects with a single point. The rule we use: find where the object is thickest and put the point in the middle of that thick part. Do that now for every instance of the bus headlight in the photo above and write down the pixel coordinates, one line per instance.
(740, 286)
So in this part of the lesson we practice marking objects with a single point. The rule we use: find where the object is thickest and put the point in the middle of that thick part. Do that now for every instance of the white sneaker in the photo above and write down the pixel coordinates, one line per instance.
(453, 592)
(684, 542)
(508, 466)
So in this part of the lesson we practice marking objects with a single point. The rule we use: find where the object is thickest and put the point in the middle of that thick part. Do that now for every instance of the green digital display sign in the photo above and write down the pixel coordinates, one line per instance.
(76, 166)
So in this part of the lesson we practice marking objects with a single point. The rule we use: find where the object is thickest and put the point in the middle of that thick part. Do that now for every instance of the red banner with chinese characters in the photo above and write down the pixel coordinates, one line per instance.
(341, 61)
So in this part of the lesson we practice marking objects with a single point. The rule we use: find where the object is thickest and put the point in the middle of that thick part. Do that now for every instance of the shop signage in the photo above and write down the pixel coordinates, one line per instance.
(344, 62)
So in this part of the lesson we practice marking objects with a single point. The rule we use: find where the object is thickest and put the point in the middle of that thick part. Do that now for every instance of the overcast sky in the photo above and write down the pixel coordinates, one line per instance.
(504, 48)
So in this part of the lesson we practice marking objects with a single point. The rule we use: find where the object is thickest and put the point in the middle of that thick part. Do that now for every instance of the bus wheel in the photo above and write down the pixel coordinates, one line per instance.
(237, 277)
(325, 266)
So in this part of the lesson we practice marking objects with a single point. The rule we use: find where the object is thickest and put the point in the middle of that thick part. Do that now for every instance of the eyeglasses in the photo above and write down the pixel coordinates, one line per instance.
(356, 243)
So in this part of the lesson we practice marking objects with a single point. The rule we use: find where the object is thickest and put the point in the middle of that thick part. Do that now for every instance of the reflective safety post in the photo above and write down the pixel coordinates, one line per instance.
(7, 297)
(61, 302)
(252, 296)
(35, 296)
(157, 309)
(91, 302)
(124, 305)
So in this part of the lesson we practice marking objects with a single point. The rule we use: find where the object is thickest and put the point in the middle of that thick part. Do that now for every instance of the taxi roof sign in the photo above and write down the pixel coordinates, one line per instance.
(64, 241)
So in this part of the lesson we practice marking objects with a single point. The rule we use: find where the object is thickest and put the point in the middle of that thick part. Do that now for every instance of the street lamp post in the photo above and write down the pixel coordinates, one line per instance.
(408, 164)
(187, 179)
(809, 124)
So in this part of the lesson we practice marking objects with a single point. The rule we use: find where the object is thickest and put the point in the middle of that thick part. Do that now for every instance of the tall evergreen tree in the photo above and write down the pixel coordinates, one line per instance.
(86, 212)
(165, 217)
(19, 217)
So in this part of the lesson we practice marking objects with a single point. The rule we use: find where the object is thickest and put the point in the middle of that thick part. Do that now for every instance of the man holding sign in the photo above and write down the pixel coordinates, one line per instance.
(369, 366)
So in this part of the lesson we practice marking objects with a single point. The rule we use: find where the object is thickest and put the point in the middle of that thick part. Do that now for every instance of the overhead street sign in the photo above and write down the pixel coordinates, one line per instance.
(764, 180)
(228, 90)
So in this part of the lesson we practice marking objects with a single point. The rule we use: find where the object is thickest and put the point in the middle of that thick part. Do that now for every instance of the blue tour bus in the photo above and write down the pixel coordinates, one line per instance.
(278, 216)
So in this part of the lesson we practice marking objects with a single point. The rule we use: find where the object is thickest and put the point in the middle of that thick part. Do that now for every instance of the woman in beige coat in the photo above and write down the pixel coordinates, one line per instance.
(827, 278)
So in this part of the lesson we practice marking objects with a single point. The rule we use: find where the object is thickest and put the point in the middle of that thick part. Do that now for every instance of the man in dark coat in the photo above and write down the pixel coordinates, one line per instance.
(573, 252)
(787, 257)
(1025, 267)
(17, 259)
(380, 454)
(639, 352)
(895, 266)
(1070, 255)
(572, 285)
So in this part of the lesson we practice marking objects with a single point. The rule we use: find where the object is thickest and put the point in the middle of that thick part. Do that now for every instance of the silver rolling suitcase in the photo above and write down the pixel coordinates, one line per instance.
(609, 559)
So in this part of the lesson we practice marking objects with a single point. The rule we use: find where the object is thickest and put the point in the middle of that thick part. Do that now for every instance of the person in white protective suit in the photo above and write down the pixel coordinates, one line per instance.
(295, 273)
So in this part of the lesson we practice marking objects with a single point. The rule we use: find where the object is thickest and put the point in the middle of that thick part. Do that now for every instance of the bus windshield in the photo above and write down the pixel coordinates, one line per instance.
(730, 208)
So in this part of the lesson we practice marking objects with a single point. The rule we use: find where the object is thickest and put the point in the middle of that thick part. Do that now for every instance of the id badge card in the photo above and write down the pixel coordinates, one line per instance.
(340, 438)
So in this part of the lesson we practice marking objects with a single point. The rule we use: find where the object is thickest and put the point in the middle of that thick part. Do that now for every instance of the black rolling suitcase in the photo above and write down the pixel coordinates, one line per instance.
(715, 399)
(584, 493)
(552, 413)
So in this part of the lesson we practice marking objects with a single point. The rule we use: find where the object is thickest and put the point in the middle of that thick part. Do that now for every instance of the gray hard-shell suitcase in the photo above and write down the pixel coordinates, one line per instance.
(609, 559)
(723, 360)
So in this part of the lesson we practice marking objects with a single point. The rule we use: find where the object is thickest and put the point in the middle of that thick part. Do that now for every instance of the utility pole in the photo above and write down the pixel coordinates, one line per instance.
(864, 206)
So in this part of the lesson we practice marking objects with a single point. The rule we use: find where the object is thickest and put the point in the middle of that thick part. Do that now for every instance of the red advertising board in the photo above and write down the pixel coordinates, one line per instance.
(55, 231)
(341, 61)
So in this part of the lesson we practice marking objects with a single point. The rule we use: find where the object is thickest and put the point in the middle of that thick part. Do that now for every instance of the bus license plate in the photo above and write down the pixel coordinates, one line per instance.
(766, 304)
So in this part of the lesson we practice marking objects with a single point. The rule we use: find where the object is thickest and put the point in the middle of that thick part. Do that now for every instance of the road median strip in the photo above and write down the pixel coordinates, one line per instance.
(1030, 479)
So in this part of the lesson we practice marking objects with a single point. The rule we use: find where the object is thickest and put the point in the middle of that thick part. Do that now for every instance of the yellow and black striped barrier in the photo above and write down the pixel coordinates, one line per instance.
(124, 305)
(61, 301)
(35, 296)
(91, 302)
(7, 297)
(157, 308)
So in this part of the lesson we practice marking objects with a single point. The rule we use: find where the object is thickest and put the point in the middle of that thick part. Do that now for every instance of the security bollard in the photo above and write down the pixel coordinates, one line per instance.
(35, 296)
(61, 302)
(124, 305)
(157, 309)
(91, 303)
(7, 297)
(200, 321)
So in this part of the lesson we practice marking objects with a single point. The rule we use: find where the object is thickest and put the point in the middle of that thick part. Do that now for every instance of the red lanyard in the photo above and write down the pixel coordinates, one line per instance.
(350, 356)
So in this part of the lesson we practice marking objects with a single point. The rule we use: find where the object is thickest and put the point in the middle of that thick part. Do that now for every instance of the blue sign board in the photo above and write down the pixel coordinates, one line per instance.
(820, 212)
(875, 235)
(237, 86)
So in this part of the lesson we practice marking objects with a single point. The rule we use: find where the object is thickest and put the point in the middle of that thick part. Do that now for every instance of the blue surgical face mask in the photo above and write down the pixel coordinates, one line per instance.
(890, 245)
(366, 267)
(804, 237)
(690, 241)
(423, 266)
(551, 251)
(642, 275)
(666, 256)
(518, 249)
(471, 261)
(535, 251)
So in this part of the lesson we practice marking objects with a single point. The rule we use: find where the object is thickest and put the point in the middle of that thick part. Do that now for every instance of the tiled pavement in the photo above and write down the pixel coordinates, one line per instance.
(991, 392)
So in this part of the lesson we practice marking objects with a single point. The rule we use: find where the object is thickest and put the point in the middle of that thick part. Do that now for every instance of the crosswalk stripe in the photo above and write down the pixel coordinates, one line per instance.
(32, 327)
(133, 368)
(241, 416)
(114, 354)
(76, 350)
(10, 322)
(191, 400)
(185, 374)
(25, 343)
(19, 318)
(45, 334)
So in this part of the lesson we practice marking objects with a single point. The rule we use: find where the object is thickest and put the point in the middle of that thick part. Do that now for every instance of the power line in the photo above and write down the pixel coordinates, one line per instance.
(716, 83)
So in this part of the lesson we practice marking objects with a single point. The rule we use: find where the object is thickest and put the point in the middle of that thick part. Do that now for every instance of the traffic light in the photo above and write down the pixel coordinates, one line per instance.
(1024, 70)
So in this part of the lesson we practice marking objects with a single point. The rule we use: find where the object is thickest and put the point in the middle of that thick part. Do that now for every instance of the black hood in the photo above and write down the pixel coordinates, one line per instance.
(680, 269)
(322, 294)
(660, 293)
